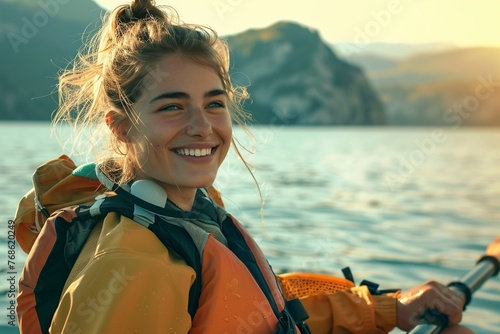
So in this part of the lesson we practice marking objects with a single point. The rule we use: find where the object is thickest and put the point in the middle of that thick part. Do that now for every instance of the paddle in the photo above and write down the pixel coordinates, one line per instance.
(486, 267)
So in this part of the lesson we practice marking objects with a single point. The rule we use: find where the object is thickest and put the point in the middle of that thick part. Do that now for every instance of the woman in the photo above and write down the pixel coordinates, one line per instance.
(161, 92)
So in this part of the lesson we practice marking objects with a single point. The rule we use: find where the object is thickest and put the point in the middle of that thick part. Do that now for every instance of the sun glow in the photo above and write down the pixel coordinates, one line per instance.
(463, 23)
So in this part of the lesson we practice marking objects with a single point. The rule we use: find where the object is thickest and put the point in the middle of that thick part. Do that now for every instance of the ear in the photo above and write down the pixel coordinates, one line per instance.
(117, 124)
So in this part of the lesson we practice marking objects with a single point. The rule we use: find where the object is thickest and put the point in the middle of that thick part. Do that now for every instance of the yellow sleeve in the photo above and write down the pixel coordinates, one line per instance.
(336, 306)
(352, 311)
(122, 290)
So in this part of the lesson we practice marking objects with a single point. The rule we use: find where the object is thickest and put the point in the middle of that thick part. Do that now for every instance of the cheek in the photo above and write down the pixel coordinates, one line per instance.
(140, 146)
(229, 131)
(227, 127)
(147, 137)
(227, 136)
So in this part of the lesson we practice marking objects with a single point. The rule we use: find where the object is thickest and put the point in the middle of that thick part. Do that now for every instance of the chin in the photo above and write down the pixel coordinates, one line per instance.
(200, 183)
(205, 184)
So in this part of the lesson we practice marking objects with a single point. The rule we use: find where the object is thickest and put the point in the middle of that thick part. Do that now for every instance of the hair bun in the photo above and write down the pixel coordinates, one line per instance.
(127, 15)
(139, 10)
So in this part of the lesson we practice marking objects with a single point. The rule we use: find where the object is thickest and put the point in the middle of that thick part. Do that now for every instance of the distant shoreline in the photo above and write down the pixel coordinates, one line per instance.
(375, 126)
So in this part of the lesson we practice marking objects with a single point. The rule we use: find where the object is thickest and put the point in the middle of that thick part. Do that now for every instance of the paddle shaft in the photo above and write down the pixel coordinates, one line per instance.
(474, 279)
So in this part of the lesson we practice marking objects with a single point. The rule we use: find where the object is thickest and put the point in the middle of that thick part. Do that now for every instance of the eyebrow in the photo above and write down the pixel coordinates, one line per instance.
(183, 95)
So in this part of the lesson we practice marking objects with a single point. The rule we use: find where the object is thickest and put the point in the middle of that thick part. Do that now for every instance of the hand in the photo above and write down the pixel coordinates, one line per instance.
(494, 249)
(413, 303)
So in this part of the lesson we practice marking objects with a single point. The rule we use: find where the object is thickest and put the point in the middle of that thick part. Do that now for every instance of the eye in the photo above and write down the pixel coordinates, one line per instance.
(216, 104)
(169, 107)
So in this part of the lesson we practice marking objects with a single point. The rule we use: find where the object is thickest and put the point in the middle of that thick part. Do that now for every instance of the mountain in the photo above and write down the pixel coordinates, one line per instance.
(295, 78)
(37, 39)
(292, 75)
(388, 50)
(449, 88)
(81, 11)
(369, 62)
(457, 64)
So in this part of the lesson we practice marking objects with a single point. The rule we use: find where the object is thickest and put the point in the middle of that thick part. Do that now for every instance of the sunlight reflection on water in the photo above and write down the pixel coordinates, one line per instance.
(337, 197)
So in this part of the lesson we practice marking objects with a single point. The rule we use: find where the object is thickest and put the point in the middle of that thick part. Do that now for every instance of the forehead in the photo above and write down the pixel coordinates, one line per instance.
(179, 73)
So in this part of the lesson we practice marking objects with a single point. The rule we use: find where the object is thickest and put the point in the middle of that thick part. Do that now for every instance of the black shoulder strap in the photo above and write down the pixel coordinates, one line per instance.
(71, 236)
(237, 244)
(173, 237)
(177, 239)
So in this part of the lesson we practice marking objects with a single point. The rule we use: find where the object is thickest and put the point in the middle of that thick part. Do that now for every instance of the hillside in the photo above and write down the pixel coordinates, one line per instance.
(292, 75)
(36, 42)
(458, 64)
(295, 78)
(451, 88)
(387, 49)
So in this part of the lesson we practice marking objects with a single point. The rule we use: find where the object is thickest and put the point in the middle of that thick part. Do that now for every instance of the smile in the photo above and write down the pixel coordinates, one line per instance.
(195, 152)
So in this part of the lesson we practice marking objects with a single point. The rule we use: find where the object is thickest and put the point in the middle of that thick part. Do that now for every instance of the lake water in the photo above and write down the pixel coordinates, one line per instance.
(398, 205)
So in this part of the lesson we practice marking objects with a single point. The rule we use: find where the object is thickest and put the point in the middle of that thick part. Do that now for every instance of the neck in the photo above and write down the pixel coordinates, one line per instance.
(183, 198)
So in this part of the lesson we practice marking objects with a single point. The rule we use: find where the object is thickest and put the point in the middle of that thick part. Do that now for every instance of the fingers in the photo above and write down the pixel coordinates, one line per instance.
(444, 300)
(430, 295)
(451, 304)
(494, 248)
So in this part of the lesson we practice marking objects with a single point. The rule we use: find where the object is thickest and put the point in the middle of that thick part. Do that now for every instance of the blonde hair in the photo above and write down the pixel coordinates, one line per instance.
(112, 70)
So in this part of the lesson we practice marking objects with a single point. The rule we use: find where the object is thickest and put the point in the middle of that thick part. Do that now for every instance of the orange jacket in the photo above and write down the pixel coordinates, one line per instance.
(125, 280)
(129, 280)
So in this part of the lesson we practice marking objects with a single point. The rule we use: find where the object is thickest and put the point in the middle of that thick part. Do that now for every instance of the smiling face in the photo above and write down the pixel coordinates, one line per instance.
(184, 128)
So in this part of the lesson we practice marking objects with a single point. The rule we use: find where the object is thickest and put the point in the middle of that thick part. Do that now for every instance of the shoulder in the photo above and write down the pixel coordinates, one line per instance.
(121, 236)
(121, 252)
(126, 267)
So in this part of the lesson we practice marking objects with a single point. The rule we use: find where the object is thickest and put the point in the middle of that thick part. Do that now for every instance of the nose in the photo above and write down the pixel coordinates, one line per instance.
(198, 124)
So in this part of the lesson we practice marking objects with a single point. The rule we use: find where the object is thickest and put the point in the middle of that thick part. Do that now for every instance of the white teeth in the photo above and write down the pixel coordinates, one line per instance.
(198, 152)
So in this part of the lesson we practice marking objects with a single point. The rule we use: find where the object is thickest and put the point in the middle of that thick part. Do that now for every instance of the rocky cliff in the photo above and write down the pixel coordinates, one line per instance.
(295, 78)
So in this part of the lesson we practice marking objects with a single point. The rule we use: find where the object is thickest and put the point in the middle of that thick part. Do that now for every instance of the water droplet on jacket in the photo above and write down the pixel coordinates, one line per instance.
(226, 319)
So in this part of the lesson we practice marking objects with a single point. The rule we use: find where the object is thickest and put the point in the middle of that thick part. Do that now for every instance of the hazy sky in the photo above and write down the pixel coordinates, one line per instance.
(461, 22)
